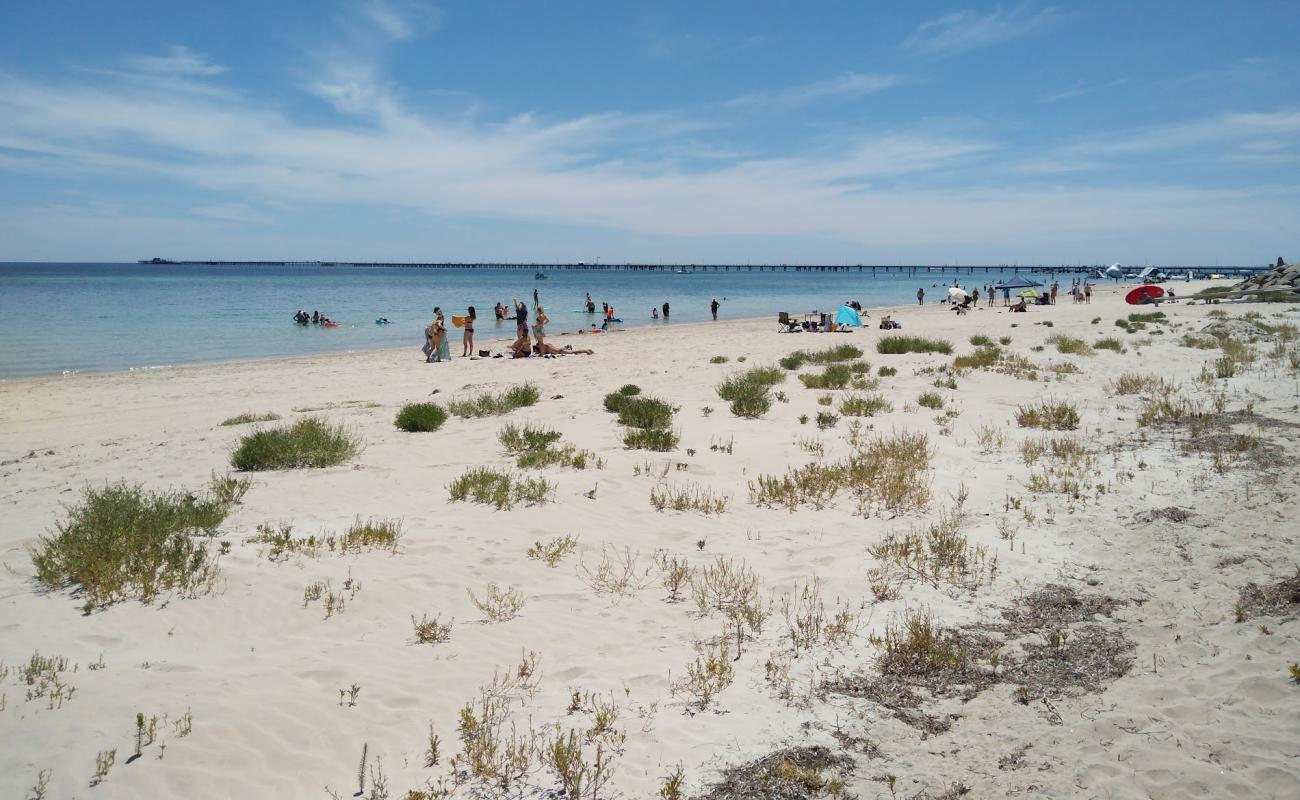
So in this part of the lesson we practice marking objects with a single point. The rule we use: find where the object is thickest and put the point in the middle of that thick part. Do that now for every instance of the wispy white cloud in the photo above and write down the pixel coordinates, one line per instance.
(401, 19)
(962, 31)
(179, 61)
(844, 87)
(687, 47)
(1081, 89)
(233, 212)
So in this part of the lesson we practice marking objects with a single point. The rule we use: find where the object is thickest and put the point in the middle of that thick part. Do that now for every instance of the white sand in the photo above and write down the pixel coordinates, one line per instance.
(1207, 709)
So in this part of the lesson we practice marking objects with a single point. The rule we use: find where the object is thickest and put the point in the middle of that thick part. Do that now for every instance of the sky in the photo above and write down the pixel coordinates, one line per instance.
(674, 132)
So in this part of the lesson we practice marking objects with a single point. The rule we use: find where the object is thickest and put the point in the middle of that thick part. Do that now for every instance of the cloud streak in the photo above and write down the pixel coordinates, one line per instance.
(180, 61)
(963, 31)
(849, 86)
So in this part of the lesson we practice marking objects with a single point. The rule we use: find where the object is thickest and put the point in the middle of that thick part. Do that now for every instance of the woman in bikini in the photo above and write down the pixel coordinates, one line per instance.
(539, 326)
(468, 340)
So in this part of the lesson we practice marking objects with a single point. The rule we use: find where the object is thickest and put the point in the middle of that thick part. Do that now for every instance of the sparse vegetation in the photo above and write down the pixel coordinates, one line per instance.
(532, 447)
(244, 419)
(1056, 415)
(896, 345)
(834, 376)
(431, 631)
(498, 605)
(123, 541)
(1109, 343)
(308, 442)
(865, 405)
(500, 489)
(748, 392)
(886, 472)
(553, 551)
(687, 498)
(1069, 345)
(831, 355)
(930, 400)
(887, 372)
(491, 405)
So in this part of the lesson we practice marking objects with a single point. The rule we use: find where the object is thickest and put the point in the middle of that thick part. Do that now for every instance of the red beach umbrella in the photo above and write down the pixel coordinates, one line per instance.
(1143, 294)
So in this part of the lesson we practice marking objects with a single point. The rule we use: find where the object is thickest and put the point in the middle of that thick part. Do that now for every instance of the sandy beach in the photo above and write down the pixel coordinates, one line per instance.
(1093, 598)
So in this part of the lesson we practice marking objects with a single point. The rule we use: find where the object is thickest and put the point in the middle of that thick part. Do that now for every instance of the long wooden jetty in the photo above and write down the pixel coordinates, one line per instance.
(911, 269)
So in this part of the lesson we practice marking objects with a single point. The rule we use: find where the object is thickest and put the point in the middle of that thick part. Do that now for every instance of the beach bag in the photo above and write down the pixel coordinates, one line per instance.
(485, 353)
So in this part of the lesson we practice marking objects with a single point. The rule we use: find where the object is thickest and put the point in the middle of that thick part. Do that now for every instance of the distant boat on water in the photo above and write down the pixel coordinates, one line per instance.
(155, 260)
(683, 271)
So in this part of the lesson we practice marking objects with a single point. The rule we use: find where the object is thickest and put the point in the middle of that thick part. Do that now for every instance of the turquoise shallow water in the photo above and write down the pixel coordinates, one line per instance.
(105, 317)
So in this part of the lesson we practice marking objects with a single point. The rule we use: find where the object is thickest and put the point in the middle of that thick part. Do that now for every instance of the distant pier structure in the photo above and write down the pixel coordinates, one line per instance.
(908, 269)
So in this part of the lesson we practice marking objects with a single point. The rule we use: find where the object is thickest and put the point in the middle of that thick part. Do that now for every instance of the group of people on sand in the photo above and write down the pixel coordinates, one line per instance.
(529, 340)
(314, 318)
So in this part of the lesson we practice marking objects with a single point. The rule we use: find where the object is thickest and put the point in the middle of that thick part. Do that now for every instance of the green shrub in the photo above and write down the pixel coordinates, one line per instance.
(1109, 343)
(502, 490)
(1055, 415)
(750, 400)
(1199, 342)
(244, 419)
(1069, 344)
(629, 390)
(826, 419)
(614, 402)
(490, 405)
(930, 400)
(865, 405)
(984, 357)
(517, 439)
(659, 440)
(309, 442)
(887, 372)
(831, 355)
(122, 541)
(835, 376)
(718, 360)
(646, 413)
(1154, 316)
(980, 340)
(1004, 341)
(418, 417)
(896, 345)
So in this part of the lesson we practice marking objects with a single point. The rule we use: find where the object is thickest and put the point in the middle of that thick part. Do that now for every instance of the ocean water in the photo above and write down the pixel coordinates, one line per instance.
(58, 318)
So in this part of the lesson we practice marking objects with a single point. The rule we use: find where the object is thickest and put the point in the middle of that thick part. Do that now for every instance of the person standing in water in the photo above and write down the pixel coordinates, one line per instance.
(536, 300)
(920, 296)
(665, 311)
(714, 307)
(468, 340)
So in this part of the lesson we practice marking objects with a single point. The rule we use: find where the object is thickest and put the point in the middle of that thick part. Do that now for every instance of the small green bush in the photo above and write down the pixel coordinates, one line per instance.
(831, 355)
(897, 345)
(1109, 343)
(750, 400)
(122, 541)
(984, 357)
(1069, 344)
(516, 439)
(420, 417)
(1004, 341)
(865, 405)
(309, 442)
(659, 440)
(718, 360)
(835, 376)
(629, 390)
(980, 340)
(930, 400)
(887, 372)
(646, 413)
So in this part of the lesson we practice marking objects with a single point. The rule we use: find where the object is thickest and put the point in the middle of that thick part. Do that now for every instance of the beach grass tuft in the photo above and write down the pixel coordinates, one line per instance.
(835, 376)
(748, 392)
(420, 417)
(1069, 344)
(491, 405)
(930, 400)
(1055, 415)
(865, 405)
(500, 489)
(124, 541)
(308, 442)
(897, 345)
(831, 355)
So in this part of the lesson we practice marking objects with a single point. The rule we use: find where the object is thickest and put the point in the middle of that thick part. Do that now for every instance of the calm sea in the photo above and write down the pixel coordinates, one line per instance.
(57, 318)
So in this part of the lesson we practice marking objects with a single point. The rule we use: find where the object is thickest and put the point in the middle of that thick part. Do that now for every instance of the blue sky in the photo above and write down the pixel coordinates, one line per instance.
(837, 132)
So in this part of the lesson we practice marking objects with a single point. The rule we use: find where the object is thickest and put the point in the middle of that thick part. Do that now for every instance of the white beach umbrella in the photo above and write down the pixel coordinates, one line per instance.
(956, 295)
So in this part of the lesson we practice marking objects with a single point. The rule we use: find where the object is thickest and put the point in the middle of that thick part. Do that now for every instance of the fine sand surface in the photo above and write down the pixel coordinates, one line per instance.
(1206, 707)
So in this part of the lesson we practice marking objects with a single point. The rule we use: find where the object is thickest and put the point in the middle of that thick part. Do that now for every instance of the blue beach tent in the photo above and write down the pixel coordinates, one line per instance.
(1017, 283)
(848, 318)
